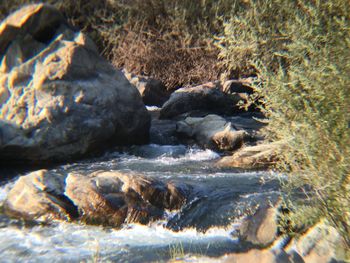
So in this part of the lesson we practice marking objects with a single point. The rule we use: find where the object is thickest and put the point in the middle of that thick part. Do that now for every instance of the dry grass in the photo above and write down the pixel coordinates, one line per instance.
(171, 40)
(166, 56)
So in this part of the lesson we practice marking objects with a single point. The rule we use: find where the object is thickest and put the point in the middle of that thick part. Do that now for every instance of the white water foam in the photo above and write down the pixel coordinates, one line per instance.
(152, 108)
(74, 242)
(194, 155)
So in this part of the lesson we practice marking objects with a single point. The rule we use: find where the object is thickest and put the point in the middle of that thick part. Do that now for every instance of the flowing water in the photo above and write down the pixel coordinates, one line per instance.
(205, 225)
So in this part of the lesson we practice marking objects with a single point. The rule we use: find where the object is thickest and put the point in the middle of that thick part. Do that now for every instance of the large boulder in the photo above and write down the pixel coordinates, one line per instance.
(206, 98)
(58, 98)
(213, 132)
(106, 198)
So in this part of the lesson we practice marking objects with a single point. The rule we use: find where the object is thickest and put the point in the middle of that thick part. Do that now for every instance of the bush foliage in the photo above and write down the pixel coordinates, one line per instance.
(300, 51)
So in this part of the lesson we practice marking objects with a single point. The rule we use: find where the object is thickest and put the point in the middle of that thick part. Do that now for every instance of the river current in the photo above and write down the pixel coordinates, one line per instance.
(206, 225)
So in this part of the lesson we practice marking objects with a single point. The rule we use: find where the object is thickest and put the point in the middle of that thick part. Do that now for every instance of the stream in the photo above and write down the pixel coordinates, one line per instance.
(206, 225)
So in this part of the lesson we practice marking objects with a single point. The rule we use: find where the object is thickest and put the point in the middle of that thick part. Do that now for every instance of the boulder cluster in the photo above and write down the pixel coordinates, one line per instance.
(60, 101)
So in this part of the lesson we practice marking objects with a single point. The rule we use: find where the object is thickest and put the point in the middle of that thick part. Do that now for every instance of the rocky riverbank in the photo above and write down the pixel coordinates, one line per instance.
(60, 101)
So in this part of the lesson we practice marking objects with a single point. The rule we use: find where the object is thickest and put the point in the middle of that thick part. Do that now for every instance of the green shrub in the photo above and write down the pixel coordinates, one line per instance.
(300, 51)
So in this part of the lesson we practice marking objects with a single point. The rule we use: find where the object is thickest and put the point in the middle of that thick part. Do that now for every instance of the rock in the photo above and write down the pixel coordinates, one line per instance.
(213, 132)
(35, 20)
(153, 91)
(253, 157)
(255, 255)
(238, 86)
(250, 256)
(163, 132)
(321, 243)
(39, 196)
(260, 228)
(104, 198)
(58, 98)
(208, 98)
(248, 122)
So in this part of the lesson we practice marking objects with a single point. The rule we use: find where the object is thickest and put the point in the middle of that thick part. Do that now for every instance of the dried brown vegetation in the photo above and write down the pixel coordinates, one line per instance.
(171, 40)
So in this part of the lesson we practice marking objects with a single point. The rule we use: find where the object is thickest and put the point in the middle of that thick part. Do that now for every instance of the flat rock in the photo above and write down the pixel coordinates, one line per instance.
(59, 99)
(253, 157)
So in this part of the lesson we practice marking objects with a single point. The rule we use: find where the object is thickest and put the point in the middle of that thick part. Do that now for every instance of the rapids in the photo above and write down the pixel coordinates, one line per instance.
(205, 225)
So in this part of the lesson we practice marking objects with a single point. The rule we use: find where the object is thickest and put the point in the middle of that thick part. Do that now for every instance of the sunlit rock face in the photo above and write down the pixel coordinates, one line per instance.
(103, 198)
(58, 98)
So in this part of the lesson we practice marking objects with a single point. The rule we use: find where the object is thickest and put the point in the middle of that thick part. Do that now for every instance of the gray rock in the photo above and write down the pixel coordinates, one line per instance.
(163, 132)
(321, 243)
(248, 123)
(153, 91)
(207, 98)
(260, 228)
(213, 132)
(237, 86)
(58, 98)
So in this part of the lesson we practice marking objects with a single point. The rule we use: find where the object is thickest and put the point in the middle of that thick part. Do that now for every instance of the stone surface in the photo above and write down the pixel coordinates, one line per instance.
(253, 157)
(255, 255)
(260, 228)
(103, 198)
(58, 98)
(251, 122)
(208, 98)
(237, 86)
(213, 132)
(321, 243)
(39, 196)
(153, 91)
(163, 132)
(250, 256)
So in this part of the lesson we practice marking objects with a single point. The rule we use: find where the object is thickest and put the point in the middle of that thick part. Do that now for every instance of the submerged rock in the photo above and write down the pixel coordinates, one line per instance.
(213, 132)
(106, 198)
(58, 98)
